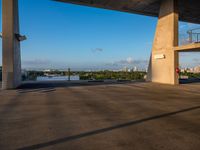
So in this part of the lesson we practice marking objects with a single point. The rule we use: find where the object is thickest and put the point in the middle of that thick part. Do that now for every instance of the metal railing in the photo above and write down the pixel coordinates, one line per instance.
(189, 36)
(194, 35)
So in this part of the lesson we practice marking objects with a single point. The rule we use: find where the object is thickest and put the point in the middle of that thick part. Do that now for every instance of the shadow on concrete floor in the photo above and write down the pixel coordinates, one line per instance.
(188, 81)
(49, 86)
(103, 130)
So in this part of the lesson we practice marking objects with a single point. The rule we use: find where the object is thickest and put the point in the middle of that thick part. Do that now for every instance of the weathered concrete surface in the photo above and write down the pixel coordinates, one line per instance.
(140, 116)
(11, 46)
(188, 9)
(162, 70)
(194, 47)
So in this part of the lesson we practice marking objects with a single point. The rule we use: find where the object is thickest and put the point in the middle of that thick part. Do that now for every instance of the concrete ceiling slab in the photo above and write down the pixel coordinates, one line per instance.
(189, 10)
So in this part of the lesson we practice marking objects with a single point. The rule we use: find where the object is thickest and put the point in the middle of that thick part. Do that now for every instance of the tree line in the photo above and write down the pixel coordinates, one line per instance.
(94, 75)
(87, 75)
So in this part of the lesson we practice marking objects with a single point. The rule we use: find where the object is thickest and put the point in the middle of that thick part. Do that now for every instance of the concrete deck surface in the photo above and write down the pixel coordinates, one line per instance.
(130, 116)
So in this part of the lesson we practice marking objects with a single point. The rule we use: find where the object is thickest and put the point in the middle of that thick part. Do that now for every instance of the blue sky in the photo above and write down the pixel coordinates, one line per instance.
(64, 35)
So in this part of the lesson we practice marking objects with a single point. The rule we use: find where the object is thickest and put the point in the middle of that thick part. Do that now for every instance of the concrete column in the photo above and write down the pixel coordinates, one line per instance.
(11, 45)
(164, 60)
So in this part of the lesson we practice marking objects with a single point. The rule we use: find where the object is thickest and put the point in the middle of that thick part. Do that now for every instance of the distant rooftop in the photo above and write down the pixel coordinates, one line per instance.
(189, 10)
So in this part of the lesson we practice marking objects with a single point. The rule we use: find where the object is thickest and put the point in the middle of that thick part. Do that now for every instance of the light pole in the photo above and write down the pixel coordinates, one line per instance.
(18, 36)
(69, 74)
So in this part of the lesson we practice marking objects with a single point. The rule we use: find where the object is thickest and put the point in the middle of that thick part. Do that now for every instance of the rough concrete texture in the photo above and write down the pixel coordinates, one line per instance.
(194, 47)
(162, 70)
(131, 116)
(188, 9)
(11, 46)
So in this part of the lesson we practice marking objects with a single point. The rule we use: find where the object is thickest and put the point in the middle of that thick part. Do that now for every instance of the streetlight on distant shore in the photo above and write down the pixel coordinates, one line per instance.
(69, 74)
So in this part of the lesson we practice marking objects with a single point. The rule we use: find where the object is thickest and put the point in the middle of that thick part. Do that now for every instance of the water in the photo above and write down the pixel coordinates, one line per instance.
(57, 78)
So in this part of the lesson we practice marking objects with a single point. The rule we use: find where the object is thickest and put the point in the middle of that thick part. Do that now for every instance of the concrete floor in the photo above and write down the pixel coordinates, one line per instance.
(130, 116)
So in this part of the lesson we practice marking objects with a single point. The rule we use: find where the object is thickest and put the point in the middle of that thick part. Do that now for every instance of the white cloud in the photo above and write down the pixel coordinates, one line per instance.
(97, 50)
(41, 63)
(129, 60)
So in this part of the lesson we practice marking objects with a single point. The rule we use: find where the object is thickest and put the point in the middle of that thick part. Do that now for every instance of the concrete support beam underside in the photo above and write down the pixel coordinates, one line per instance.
(164, 60)
(188, 9)
(11, 46)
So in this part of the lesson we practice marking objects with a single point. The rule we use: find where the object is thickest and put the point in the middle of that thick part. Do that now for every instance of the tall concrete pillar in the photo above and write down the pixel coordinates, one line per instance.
(164, 60)
(11, 45)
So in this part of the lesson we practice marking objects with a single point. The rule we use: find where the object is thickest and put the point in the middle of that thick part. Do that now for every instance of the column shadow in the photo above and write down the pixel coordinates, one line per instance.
(188, 81)
(103, 130)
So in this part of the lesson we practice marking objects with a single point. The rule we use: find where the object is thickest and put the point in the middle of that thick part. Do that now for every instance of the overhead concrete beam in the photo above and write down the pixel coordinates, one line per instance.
(194, 47)
(188, 9)
(11, 67)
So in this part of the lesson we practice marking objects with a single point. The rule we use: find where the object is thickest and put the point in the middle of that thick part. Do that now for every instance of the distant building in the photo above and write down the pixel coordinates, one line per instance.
(135, 69)
(191, 70)
(196, 69)
(125, 69)
(47, 70)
